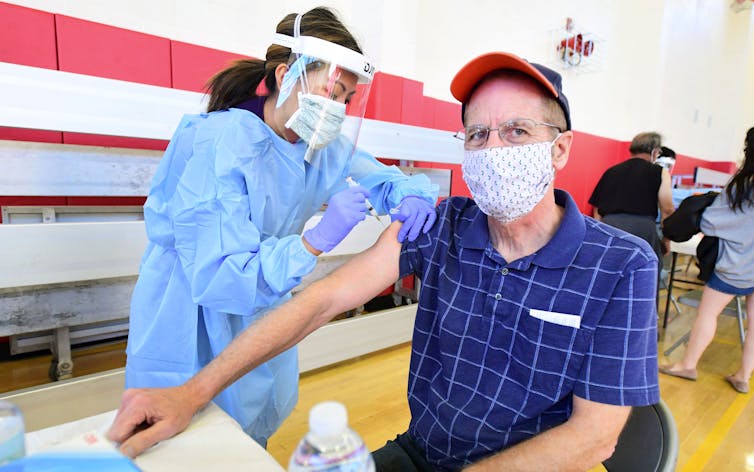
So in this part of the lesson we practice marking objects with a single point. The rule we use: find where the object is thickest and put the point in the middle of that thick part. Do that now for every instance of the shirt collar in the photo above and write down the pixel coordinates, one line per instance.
(560, 251)
(476, 234)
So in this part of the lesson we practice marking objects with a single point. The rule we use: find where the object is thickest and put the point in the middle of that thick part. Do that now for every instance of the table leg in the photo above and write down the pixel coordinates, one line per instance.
(670, 289)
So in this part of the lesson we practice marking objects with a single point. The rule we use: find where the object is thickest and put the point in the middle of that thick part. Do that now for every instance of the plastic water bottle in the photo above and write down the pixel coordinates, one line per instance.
(11, 433)
(330, 445)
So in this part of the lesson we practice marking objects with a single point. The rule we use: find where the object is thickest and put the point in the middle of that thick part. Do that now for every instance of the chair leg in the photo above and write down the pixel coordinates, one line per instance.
(675, 304)
(682, 340)
(741, 315)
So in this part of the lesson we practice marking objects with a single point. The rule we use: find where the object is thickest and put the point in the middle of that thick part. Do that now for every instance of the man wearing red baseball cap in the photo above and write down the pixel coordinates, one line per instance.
(535, 330)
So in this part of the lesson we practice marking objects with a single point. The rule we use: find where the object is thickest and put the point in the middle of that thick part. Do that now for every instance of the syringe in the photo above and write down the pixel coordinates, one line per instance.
(370, 207)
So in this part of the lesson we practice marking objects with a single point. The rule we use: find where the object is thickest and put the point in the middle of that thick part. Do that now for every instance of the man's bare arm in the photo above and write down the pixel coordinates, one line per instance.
(356, 282)
(147, 416)
(584, 441)
(665, 196)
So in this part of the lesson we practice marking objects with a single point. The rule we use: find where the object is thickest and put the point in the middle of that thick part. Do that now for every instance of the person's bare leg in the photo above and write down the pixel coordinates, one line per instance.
(743, 374)
(705, 325)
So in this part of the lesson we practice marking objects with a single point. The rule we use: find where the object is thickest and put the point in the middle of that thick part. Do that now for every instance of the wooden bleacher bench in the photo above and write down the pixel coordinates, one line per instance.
(68, 272)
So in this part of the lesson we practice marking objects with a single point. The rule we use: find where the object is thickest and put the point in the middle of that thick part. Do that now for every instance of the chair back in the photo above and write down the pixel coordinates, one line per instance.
(649, 442)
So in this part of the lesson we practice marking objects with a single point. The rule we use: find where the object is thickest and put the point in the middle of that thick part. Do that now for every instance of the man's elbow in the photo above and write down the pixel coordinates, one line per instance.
(605, 449)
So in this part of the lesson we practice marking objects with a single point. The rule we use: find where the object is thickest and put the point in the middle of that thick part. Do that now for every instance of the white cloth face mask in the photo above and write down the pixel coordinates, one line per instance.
(318, 119)
(507, 182)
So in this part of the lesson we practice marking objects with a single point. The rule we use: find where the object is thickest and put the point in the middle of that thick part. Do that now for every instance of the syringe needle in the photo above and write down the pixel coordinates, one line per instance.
(370, 207)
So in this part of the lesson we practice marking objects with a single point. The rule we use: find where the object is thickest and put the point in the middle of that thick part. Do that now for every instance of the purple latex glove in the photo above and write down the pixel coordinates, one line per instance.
(417, 215)
(344, 210)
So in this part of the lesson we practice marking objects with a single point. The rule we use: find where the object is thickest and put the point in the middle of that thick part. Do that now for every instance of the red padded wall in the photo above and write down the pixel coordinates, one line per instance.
(27, 36)
(192, 65)
(727, 167)
(35, 135)
(120, 201)
(385, 103)
(385, 98)
(412, 100)
(85, 47)
(590, 156)
(446, 116)
(114, 141)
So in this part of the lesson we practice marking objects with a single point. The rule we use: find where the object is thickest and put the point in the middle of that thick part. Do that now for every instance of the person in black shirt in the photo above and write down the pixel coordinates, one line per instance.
(628, 194)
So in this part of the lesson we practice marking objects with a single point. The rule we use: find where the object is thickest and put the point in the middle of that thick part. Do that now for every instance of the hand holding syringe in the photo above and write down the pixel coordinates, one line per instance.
(370, 207)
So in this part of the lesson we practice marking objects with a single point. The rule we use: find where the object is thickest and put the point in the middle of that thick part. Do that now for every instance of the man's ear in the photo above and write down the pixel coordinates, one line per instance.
(561, 149)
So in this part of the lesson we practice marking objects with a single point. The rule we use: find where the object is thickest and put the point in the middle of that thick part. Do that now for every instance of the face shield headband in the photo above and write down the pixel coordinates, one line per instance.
(308, 50)
(334, 82)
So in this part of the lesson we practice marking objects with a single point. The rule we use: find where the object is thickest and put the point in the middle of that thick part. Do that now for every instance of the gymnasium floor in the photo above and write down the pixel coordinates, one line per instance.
(715, 423)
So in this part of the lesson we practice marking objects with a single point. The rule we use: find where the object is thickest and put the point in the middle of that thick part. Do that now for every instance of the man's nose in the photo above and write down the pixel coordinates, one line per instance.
(493, 139)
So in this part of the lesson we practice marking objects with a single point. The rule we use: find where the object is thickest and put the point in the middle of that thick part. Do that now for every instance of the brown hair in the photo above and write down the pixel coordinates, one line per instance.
(239, 81)
(645, 143)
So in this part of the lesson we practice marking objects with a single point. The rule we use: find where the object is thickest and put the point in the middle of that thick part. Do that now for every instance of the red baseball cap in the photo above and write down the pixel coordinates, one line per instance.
(474, 71)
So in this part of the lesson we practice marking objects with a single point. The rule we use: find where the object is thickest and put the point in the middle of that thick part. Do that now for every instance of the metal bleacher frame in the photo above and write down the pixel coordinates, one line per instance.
(66, 276)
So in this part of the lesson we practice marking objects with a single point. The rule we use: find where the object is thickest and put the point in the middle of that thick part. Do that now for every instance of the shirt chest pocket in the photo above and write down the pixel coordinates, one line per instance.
(548, 350)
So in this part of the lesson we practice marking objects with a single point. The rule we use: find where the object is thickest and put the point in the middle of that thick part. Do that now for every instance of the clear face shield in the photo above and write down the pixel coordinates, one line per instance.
(329, 85)
(665, 162)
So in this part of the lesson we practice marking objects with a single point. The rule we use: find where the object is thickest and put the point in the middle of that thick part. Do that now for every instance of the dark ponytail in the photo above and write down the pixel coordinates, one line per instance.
(240, 80)
(231, 86)
(741, 187)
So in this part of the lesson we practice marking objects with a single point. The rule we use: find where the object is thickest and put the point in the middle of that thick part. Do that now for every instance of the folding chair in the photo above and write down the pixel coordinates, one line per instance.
(648, 442)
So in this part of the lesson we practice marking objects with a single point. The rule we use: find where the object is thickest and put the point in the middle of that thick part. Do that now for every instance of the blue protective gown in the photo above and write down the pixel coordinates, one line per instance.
(223, 217)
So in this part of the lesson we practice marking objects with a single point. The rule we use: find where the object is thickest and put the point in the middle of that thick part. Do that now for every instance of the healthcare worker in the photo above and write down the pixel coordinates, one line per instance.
(229, 201)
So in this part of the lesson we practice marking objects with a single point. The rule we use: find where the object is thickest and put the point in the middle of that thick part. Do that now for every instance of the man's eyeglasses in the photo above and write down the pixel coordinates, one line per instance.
(516, 131)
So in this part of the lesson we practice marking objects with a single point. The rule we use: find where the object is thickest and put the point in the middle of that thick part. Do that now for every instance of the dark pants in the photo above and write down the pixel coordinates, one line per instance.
(401, 455)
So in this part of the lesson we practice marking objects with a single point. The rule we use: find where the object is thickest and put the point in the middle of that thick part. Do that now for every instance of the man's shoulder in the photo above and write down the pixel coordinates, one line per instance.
(456, 216)
(457, 204)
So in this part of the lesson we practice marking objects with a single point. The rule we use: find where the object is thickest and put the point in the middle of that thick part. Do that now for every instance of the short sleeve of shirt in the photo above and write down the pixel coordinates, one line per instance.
(415, 253)
(620, 366)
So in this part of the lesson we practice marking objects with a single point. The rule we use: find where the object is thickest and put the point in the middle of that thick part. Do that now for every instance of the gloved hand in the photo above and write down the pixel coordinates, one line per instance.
(344, 210)
(416, 213)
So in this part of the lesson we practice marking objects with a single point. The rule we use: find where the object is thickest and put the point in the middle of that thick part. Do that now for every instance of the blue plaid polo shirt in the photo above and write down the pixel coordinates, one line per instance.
(500, 348)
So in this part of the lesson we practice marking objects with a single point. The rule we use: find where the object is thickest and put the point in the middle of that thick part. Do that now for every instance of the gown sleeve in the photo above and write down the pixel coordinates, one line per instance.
(387, 185)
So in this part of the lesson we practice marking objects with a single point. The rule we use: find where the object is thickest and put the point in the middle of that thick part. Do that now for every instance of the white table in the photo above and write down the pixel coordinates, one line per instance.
(213, 441)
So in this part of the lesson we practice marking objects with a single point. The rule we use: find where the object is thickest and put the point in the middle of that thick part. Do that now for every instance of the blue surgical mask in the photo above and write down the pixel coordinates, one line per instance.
(318, 119)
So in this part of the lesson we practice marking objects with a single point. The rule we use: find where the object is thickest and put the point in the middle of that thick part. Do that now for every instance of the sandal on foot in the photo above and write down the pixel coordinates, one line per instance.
(688, 374)
(738, 385)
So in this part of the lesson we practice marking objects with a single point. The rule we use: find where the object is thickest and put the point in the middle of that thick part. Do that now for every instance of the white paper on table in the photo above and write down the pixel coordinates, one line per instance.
(213, 441)
(72, 436)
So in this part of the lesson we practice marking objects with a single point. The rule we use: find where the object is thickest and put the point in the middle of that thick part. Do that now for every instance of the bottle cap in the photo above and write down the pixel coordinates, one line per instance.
(328, 419)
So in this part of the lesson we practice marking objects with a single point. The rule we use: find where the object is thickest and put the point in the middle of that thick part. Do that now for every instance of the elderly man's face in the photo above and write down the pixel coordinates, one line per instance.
(512, 104)
(510, 169)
